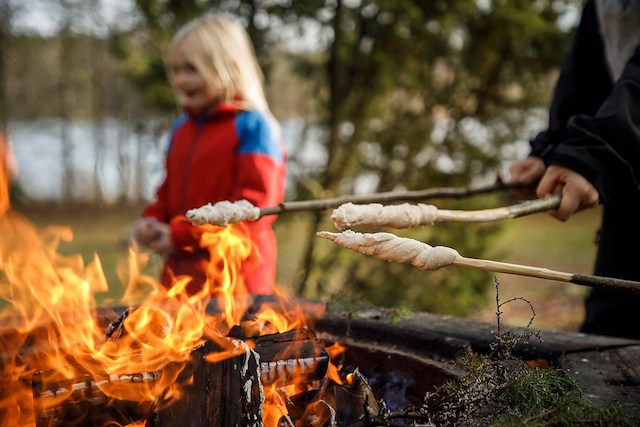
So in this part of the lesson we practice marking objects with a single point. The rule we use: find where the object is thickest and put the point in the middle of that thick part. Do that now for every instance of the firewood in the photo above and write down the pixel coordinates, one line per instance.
(388, 247)
(348, 404)
(297, 355)
(220, 393)
(80, 401)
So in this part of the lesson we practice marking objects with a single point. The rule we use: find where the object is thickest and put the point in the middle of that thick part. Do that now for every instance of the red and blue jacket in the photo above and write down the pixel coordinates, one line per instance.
(225, 154)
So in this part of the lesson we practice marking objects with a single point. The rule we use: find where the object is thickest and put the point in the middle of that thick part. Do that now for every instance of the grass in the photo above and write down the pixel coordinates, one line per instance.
(537, 240)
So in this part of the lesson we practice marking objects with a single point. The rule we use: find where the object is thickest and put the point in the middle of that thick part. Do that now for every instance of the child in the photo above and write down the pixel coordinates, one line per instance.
(224, 147)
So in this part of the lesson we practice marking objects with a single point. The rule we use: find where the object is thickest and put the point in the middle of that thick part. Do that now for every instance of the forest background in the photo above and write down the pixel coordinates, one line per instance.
(383, 95)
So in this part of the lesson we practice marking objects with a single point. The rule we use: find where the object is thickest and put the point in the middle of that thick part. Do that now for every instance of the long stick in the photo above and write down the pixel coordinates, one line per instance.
(388, 247)
(407, 215)
(225, 212)
(390, 196)
(507, 212)
(545, 273)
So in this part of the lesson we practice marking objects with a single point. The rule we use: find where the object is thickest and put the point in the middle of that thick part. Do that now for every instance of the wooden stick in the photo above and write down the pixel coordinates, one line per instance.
(225, 212)
(388, 247)
(390, 196)
(407, 215)
(545, 273)
(507, 212)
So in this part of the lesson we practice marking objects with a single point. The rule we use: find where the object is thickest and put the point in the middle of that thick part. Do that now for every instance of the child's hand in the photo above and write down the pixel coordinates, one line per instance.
(162, 244)
(144, 230)
(154, 234)
(577, 192)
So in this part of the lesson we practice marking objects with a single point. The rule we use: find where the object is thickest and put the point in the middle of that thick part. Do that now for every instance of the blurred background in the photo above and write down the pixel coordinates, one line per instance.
(372, 95)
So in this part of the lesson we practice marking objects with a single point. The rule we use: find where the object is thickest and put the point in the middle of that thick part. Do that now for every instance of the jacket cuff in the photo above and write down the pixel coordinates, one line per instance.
(540, 145)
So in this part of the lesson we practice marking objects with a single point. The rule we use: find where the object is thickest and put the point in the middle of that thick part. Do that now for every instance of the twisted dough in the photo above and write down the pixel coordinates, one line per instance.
(224, 212)
(376, 215)
(389, 247)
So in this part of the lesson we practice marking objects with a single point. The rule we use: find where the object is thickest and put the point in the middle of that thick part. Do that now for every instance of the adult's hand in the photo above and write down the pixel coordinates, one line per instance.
(577, 192)
(527, 171)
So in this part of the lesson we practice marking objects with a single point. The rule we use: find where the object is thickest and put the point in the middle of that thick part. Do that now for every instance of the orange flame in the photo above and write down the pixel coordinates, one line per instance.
(4, 174)
(51, 334)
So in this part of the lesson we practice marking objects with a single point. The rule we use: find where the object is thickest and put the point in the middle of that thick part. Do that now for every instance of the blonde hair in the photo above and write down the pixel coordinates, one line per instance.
(223, 54)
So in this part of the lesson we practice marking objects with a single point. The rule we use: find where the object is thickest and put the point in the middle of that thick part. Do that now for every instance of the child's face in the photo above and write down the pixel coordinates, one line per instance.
(194, 93)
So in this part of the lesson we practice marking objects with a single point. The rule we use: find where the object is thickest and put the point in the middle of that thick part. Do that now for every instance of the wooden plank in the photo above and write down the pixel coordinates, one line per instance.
(608, 377)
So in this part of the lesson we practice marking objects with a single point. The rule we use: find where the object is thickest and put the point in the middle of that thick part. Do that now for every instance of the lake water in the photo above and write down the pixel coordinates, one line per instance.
(117, 160)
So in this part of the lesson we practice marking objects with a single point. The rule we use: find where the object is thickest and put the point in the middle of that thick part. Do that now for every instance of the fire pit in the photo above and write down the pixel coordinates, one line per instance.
(174, 358)
(223, 388)
(396, 360)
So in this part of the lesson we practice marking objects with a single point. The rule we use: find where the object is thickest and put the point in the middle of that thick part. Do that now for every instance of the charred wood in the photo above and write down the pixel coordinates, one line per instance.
(223, 394)
(60, 402)
(294, 356)
(350, 404)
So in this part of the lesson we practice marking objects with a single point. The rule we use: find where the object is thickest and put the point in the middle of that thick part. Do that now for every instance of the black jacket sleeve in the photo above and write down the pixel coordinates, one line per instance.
(594, 124)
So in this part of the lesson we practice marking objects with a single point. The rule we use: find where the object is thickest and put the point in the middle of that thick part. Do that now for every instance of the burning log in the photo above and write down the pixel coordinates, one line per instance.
(332, 404)
(221, 394)
(294, 355)
(408, 216)
(225, 212)
(216, 392)
(82, 402)
(388, 247)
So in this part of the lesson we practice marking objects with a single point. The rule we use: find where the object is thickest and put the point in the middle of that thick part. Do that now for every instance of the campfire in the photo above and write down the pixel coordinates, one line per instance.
(162, 357)
(171, 356)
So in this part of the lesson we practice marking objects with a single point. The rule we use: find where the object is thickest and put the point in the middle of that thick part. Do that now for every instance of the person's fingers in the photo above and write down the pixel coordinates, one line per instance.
(530, 175)
(549, 183)
(569, 204)
(526, 172)
(161, 242)
(577, 192)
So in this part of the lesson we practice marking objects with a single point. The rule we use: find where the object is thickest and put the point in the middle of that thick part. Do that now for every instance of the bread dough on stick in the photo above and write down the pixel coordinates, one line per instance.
(389, 247)
(224, 212)
(404, 215)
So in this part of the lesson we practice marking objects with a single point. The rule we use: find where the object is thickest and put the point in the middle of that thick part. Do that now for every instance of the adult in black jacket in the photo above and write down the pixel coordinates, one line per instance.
(590, 152)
